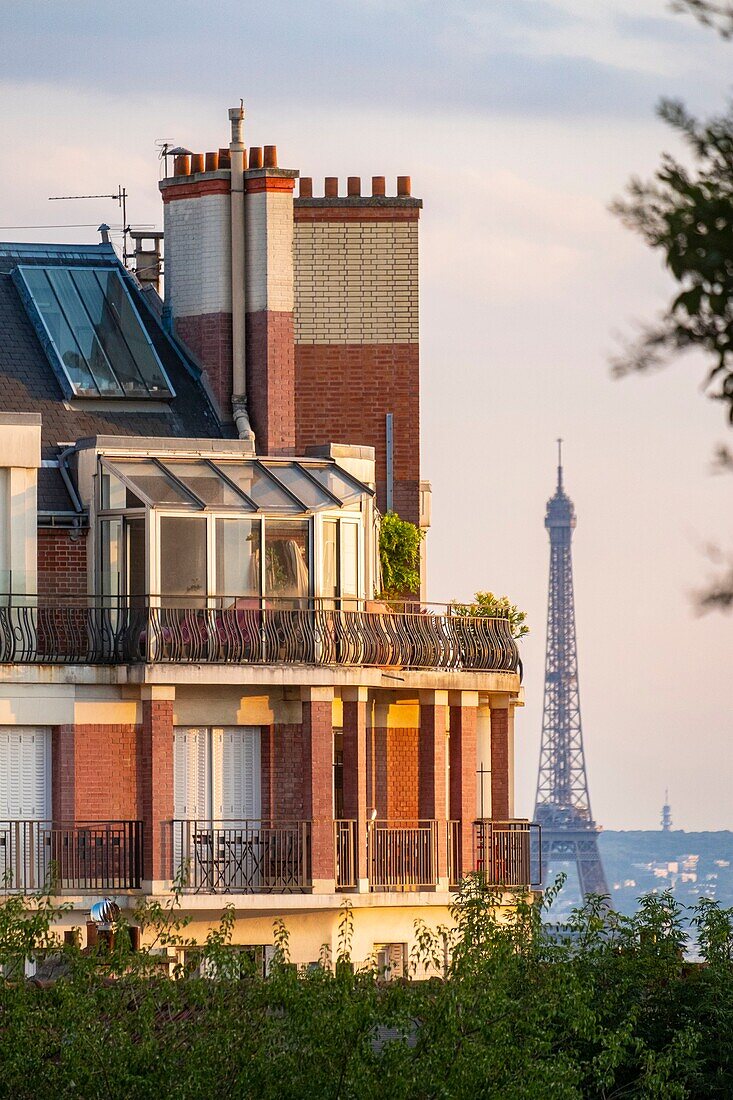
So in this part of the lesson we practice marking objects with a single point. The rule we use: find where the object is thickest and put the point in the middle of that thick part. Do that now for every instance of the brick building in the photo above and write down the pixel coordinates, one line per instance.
(198, 675)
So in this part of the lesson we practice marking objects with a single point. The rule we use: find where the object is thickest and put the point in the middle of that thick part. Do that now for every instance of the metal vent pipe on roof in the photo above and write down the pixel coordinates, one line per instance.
(239, 363)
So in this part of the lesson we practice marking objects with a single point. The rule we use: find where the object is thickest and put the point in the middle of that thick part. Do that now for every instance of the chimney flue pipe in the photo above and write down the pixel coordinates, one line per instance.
(239, 366)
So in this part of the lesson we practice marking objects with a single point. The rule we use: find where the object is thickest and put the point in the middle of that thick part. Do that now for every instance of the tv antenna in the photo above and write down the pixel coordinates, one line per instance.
(120, 198)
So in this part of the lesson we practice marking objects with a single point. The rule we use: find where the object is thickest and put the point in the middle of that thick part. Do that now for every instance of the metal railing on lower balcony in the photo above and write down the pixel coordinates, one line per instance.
(402, 855)
(505, 853)
(347, 869)
(246, 857)
(83, 857)
(243, 630)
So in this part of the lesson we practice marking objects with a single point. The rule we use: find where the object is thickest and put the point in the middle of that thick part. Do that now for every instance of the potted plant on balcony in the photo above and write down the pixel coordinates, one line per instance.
(486, 605)
(399, 559)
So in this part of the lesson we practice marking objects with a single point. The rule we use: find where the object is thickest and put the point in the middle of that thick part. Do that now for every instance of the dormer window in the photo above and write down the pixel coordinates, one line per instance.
(92, 332)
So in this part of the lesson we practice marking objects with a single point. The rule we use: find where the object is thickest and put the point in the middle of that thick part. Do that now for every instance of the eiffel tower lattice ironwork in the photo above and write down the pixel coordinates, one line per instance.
(562, 805)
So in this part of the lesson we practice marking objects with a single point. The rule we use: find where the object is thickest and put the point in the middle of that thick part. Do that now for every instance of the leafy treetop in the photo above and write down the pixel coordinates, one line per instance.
(486, 605)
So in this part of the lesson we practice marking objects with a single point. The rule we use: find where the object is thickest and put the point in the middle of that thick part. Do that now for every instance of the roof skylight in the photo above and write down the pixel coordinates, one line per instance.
(92, 332)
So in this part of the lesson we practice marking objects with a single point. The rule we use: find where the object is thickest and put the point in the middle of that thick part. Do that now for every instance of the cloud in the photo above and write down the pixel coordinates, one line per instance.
(527, 57)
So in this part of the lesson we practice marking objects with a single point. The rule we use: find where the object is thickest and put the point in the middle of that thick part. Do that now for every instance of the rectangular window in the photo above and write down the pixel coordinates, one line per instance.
(287, 558)
(183, 558)
(349, 560)
(110, 537)
(330, 559)
(238, 557)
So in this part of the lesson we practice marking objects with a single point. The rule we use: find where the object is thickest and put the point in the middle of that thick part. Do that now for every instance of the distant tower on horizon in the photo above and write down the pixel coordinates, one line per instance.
(666, 814)
(562, 805)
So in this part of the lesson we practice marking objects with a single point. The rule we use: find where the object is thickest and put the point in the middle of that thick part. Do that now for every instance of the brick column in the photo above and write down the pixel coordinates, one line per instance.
(156, 778)
(500, 761)
(355, 773)
(433, 763)
(463, 718)
(318, 784)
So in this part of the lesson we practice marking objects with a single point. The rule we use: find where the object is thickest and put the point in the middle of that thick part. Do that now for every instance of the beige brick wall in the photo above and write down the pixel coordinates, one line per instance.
(269, 251)
(356, 282)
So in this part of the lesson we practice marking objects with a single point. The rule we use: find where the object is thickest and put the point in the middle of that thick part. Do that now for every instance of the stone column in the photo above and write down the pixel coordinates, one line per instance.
(433, 764)
(355, 773)
(318, 784)
(155, 770)
(463, 718)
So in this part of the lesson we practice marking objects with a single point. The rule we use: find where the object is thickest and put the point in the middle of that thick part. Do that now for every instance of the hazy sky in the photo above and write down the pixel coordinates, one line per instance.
(518, 121)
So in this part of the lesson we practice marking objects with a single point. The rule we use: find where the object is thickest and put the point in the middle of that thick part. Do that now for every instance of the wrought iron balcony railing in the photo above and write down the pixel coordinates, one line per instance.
(347, 868)
(243, 857)
(402, 855)
(507, 853)
(242, 630)
(83, 857)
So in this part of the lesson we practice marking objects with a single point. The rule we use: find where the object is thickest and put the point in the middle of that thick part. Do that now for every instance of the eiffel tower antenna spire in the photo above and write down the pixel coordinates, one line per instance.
(562, 805)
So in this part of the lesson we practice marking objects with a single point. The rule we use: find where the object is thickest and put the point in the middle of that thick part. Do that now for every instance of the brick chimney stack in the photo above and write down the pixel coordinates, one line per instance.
(202, 296)
(268, 218)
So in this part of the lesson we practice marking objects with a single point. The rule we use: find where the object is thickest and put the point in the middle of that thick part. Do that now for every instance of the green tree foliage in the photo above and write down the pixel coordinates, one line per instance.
(511, 1009)
(687, 214)
(485, 605)
(399, 554)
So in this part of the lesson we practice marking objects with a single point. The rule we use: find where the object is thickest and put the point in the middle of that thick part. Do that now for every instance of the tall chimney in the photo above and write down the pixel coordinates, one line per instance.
(198, 269)
(239, 363)
(270, 301)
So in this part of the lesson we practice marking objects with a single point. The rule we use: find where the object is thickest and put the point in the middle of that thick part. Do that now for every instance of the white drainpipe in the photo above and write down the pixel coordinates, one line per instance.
(239, 371)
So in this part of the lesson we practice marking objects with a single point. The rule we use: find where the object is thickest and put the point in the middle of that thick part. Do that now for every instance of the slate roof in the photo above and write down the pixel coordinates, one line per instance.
(28, 383)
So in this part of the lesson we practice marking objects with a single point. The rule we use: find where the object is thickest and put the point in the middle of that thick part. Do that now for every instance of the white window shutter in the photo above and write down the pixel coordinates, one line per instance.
(240, 773)
(25, 773)
(191, 774)
(5, 778)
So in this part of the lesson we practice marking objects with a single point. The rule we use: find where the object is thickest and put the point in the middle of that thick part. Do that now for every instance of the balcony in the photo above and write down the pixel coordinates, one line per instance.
(84, 857)
(504, 853)
(402, 855)
(243, 630)
(243, 857)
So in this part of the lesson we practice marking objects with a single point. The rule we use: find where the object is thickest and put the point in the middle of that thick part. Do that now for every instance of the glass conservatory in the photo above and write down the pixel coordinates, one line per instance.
(221, 533)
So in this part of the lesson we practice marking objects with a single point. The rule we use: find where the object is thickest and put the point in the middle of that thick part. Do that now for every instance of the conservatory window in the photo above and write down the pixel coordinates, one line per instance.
(183, 565)
(238, 560)
(287, 558)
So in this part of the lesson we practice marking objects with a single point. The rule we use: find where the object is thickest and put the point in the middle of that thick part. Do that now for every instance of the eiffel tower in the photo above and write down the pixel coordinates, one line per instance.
(562, 805)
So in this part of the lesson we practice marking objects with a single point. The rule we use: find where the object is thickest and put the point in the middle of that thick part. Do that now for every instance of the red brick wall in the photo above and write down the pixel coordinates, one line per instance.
(393, 773)
(95, 772)
(209, 337)
(342, 395)
(318, 785)
(271, 381)
(283, 770)
(500, 764)
(62, 562)
(155, 767)
(402, 774)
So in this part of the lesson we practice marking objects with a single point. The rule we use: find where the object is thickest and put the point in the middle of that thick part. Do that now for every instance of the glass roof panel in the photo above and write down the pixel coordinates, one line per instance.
(336, 482)
(207, 485)
(302, 486)
(94, 331)
(151, 482)
(259, 487)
